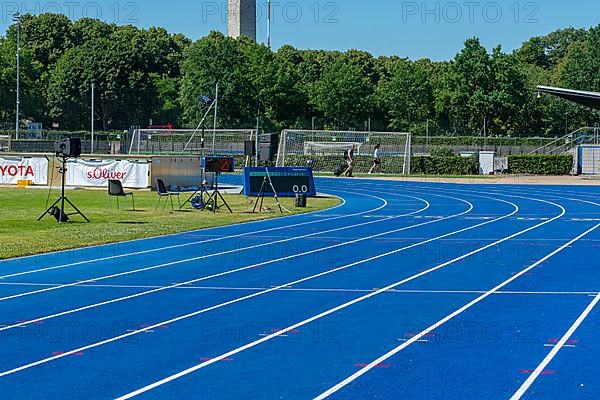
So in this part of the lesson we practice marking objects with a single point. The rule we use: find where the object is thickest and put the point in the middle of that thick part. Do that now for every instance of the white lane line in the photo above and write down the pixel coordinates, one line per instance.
(154, 250)
(562, 343)
(205, 278)
(438, 324)
(308, 214)
(154, 267)
(310, 290)
(329, 312)
(238, 300)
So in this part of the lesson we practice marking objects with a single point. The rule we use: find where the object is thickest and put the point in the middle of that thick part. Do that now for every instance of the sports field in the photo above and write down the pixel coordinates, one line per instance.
(407, 290)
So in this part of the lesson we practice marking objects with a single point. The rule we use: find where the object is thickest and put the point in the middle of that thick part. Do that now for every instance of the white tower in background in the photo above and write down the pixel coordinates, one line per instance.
(242, 18)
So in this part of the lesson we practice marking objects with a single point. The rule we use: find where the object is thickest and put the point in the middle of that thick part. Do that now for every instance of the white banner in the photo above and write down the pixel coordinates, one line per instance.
(97, 173)
(13, 169)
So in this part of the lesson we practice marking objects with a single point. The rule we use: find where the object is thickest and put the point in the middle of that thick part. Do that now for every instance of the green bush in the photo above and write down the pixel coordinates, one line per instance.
(445, 165)
(442, 152)
(480, 141)
(363, 163)
(393, 165)
(541, 164)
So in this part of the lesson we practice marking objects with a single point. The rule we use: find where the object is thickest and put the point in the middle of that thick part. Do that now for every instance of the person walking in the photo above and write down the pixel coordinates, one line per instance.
(376, 159)
(351, 162)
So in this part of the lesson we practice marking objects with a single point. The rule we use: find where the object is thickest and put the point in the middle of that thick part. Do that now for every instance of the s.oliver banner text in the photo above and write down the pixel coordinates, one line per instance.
(97, 173)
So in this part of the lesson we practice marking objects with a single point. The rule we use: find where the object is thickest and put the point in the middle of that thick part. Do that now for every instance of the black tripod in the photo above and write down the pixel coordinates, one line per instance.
(201, 192)
(215, 196)
(59, 213)
(263, 189)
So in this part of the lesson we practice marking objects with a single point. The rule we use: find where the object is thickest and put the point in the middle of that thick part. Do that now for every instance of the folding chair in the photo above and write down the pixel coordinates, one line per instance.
(115, 189)
(164, 193)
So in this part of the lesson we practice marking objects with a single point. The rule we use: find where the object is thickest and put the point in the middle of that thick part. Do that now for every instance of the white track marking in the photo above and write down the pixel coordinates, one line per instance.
(153, 250)
(313, 290)
(438, 324)
(562, 343)
(275, 289)
(205, 278)
(131, 272)
(327, 313)
(312, 213)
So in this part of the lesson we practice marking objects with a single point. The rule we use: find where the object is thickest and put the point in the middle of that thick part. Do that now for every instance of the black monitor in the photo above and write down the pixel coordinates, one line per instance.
(218, 164)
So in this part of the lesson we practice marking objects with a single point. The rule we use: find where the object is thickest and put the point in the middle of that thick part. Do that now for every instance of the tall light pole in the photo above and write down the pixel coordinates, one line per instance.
(17, 18)
(269, 24)
(92, 116)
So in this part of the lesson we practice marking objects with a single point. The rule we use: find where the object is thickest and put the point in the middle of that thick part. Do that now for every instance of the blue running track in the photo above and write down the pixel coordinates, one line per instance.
(407, 290)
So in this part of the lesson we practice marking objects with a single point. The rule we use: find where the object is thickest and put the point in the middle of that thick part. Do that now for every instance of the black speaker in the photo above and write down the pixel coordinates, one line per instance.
(272, 138)
(301, 200)
(58, 214)
(267, 152)
(249, 148)
(68, 148)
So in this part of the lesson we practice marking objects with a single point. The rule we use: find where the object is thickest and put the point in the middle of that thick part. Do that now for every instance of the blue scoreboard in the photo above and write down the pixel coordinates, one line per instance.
(287, 181)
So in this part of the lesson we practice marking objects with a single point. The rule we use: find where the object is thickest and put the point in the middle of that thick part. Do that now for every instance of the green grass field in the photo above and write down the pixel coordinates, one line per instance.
(21, 235)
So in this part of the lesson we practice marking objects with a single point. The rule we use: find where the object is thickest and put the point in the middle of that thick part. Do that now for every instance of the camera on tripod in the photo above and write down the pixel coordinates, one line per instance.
(68, 148)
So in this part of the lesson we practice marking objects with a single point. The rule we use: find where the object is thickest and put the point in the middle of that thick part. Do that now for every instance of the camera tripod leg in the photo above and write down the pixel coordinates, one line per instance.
(76, 209)
(47, 212)
(261, 196)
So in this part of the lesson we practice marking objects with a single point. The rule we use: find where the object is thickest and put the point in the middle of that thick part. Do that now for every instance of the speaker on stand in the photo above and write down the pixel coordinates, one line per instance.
(64, 149)
(269, 146)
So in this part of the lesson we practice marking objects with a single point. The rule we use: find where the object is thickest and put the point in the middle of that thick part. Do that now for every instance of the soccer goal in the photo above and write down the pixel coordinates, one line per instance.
(220, 142)
(325, 150)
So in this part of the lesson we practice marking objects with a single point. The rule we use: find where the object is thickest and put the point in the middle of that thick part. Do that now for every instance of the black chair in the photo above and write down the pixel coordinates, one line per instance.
(164, 193)
(115, 189)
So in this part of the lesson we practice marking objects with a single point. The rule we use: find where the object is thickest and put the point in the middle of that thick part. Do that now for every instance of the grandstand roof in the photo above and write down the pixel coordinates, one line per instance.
(589, 99)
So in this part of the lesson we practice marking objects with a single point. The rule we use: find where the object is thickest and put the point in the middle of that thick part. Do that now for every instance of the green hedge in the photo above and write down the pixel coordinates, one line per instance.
(480, 141)
(390, 165)
(541, 164)
(393, 165)
(445, 165)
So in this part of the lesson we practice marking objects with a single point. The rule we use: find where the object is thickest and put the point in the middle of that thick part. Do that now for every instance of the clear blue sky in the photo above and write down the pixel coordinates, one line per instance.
(415, 29)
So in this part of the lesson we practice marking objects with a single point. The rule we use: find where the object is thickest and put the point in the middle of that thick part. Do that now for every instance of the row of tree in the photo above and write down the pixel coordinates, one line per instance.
(151, 75)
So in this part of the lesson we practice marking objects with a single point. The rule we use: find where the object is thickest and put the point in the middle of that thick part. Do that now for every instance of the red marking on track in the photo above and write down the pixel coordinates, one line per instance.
(544, 372)
(412, 335)
(382, 365)
(60, 353)
(275, 330)
(571, 341)
(204, 359)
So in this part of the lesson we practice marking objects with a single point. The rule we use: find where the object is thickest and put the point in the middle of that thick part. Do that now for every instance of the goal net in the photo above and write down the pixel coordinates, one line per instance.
(325, 150)
(220, 142)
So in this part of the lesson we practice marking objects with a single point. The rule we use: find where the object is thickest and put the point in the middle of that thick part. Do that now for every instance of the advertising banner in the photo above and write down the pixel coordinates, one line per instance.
(13, 169)
(97, 173)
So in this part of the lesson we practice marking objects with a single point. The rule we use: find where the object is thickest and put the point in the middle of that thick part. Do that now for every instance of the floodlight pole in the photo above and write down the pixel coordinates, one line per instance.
(92, 113)
(200, 125)
(269, 24)
(215, 117)
(427, 135)
(256, 141)
(17, 18)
